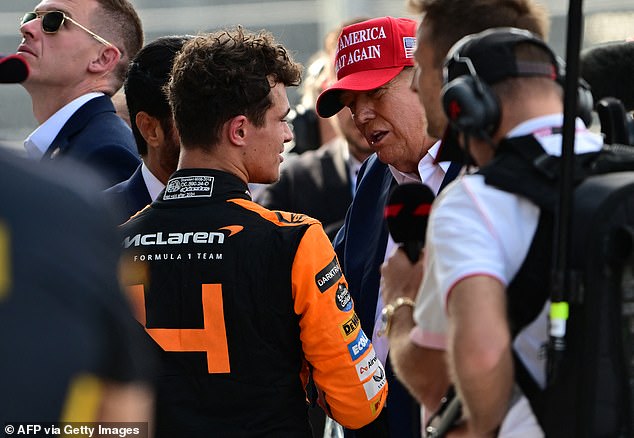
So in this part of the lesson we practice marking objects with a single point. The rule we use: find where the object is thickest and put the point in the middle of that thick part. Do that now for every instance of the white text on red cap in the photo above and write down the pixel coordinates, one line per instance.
(360, 54)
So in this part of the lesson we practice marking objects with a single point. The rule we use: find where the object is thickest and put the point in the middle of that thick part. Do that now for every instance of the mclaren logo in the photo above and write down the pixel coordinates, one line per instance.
(233, 229)
(290, 218)
(199, 237)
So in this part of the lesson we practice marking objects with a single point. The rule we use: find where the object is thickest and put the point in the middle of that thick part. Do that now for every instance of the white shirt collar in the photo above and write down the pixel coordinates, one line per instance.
(154, 186)
(428, 169)
(542, 129)
(39, 141)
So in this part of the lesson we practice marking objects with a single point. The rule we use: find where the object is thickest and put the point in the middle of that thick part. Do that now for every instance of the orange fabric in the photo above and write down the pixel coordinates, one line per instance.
(212, 339)
(327, 332)
(324, 342)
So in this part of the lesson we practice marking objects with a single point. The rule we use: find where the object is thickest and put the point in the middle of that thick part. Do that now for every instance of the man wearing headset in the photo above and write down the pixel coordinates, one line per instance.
(502, 94)
(418, 360)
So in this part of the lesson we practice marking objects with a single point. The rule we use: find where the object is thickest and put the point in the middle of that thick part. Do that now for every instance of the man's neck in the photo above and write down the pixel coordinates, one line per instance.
(199, 158)
(161, 172)
(517, 111)
(47, 101)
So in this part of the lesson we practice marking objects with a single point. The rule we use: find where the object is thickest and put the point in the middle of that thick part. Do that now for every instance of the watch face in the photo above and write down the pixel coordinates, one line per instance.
(385, 320)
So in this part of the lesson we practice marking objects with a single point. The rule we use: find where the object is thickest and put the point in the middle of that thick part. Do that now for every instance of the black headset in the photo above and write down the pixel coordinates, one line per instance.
(470, 103)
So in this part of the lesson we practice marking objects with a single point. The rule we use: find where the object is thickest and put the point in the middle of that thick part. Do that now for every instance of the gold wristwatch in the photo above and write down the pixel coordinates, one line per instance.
(388, 312)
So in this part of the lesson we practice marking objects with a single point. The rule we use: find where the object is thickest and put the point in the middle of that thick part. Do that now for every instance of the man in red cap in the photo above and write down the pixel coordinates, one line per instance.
(374, 64)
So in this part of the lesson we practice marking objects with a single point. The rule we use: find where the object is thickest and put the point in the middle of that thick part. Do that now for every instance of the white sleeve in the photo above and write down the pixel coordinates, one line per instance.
(474, 229)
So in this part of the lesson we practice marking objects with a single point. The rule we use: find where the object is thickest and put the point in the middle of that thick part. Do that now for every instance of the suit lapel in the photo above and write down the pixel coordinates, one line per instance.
(137, 193)
(450, 175)
(76, 123)
(368, 236)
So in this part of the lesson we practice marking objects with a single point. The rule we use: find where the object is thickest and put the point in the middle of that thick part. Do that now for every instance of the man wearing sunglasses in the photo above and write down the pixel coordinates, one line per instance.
(78, 54)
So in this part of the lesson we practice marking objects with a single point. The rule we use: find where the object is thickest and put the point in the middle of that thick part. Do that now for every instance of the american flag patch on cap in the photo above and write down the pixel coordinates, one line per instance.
(409, 44)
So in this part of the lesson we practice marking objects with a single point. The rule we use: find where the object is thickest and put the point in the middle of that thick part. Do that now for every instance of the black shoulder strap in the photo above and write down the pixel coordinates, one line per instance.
(522, 159)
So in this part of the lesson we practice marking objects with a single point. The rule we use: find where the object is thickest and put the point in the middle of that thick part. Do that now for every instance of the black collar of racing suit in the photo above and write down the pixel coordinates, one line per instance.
(196, 186)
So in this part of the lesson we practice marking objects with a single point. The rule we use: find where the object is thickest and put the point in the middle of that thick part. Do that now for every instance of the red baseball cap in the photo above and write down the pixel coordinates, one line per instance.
(369, 55)
(13, 69)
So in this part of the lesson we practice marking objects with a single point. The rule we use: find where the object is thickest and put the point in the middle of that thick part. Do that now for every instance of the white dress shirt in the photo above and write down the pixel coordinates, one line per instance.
(154, 186)
(431, 174)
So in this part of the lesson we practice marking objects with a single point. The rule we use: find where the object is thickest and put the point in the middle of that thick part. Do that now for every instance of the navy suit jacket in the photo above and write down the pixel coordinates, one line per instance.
(128, 197)
(97, 137)
(360, 247)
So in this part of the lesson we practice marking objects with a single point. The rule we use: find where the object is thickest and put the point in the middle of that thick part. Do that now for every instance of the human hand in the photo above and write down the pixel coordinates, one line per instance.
(399, 277)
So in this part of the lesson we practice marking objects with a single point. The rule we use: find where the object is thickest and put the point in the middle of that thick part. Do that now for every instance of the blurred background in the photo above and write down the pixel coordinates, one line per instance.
(298, 24)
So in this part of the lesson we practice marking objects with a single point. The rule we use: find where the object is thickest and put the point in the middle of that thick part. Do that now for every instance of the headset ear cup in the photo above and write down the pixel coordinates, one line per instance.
(471, 106)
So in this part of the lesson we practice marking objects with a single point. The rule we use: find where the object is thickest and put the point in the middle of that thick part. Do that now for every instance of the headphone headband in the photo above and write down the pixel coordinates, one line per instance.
(492, 57)
(478, 61)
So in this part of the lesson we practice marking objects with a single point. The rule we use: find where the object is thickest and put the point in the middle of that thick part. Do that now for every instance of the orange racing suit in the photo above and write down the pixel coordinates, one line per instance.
(244, 302)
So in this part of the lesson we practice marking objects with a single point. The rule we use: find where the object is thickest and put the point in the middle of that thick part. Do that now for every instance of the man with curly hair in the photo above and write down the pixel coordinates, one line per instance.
(244, 302)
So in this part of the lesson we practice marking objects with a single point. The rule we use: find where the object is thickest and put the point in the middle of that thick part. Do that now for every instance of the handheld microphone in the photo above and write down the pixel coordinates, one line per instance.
(13, 69)
(406, 212)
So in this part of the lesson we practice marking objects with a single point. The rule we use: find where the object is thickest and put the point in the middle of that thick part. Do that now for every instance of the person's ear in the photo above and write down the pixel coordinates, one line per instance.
(150, 129)
(238, 130)
(106, 60)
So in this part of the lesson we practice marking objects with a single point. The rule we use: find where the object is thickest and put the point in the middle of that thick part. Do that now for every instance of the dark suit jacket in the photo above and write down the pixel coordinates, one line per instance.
(315, 183)
(360, 247)
(128, 197)
(97, 137)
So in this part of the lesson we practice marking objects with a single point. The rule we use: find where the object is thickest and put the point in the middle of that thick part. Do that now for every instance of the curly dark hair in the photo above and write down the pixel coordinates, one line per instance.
(224, 74)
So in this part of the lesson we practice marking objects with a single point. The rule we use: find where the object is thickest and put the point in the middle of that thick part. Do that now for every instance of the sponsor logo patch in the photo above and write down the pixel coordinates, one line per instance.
(328, 276)
(358, 346)
(367, 366)
(290, 218)
(374, 385)
(348, 328)
(189, 187)
(375, 405)
(343, 298)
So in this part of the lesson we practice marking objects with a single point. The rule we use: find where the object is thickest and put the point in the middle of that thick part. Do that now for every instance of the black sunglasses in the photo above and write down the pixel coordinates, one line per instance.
(52, 21)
